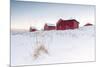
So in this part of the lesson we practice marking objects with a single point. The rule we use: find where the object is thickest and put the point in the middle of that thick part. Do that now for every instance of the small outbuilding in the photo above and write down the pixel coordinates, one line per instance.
(88, 24)
(48, 26)
(32, 29)
(67, 24)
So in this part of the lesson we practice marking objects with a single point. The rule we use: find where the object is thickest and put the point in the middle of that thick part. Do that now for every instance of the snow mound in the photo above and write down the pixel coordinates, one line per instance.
(47, 47)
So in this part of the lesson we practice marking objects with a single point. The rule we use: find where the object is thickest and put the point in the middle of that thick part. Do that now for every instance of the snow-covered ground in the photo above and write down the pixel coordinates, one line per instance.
(47, 47)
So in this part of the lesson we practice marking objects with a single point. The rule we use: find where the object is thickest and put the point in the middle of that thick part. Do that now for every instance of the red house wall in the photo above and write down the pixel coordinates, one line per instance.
(32, 30)
(46, 27)
(67, 24)
(88, 24)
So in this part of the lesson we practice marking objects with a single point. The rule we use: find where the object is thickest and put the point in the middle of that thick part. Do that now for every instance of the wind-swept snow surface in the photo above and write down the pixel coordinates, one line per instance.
(47, 47)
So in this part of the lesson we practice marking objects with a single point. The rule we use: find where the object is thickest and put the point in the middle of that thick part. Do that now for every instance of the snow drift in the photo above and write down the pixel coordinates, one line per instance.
(47, 47)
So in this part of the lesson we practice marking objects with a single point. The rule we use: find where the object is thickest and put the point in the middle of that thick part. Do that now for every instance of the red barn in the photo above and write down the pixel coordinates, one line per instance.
(88, 24)
(49, 27)
(67, 24)
(32, 29)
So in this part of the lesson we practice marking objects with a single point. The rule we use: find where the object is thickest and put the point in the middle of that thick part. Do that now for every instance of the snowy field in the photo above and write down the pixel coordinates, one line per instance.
(47, 47)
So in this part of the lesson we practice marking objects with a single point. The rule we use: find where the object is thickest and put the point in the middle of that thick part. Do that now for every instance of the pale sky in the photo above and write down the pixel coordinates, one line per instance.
(26, 14)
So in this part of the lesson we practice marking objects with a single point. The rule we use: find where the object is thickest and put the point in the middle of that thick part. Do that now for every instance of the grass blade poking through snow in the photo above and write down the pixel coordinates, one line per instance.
(39, 50)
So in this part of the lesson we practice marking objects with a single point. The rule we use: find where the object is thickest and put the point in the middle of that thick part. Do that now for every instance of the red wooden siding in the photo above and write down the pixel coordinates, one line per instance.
(88, 24)
(67, 24)
(47, 27)
(32, 29)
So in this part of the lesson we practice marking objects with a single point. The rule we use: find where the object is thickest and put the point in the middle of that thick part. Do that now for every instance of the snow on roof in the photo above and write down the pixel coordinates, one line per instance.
(33, 27)
(70, 19)
(50, 24)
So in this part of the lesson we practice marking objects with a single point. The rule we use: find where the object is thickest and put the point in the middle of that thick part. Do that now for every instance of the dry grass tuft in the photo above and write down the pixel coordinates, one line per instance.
(39, 50)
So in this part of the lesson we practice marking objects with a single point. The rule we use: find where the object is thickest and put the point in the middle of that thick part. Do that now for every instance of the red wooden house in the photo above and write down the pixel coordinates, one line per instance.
(88, 24)
(32, 29)
(67, 24)
(49, 27)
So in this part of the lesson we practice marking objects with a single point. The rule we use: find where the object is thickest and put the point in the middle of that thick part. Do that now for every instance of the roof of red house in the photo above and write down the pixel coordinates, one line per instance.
(50, 24)
(32, 27)
(88, 24)
(67, 20)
